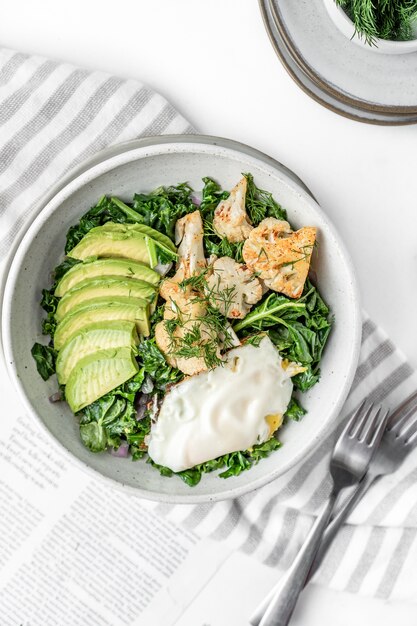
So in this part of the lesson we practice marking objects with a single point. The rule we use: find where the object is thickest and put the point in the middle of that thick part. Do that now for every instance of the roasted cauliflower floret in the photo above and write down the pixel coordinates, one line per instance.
(232, 288)
(186, 340)
(180, 302)
(189, 239)
(230, 217)
(172, 344)
(182, 332)
(279, 256)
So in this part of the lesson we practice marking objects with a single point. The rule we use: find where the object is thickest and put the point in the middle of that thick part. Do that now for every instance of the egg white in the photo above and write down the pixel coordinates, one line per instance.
(229, 408)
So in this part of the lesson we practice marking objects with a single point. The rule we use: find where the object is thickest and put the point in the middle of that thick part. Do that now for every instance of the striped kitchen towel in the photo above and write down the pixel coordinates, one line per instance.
(376, 551)
(52, 117)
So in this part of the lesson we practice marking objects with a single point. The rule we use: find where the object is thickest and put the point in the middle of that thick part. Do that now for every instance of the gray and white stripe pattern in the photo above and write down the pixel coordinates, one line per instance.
(52, 117)
(376, 550)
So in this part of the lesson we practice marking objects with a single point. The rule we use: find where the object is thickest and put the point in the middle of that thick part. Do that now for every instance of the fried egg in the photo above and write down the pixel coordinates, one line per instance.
(231, 407)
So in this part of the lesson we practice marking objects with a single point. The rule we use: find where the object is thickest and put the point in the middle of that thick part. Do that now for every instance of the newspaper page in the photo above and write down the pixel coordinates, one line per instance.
(75, 552)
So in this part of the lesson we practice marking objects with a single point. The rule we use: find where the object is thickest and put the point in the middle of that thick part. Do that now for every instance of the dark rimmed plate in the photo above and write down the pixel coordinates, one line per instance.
(330, 97)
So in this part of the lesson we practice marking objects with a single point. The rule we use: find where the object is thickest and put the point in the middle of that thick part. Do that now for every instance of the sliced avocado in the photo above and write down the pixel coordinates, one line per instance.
(146, 230)
(106, 267)
(99, 242)
(97, 374)
(101, 310)
(98, 336)
(104, 287)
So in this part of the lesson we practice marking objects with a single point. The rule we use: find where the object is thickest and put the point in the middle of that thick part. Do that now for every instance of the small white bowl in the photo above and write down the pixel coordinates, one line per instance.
(383, 46)
(143, 165)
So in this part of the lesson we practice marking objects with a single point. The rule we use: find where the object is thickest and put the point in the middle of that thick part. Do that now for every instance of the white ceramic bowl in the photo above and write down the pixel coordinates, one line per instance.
(383, 46)
(142, 166)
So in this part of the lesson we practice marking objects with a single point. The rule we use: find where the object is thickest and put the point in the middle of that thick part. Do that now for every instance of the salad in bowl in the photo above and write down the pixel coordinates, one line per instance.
(185, 327)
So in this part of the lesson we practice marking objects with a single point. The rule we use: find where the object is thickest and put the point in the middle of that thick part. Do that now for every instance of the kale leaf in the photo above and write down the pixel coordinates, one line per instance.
(294, 410)
(45, 358)
(50, 301)
(49, 304)
(161, 208)
(261, 204)
(63, 268)
(212, 194)
(232, 464)
(155, 365)
(299, 328)
(104, 211)
(112, 418)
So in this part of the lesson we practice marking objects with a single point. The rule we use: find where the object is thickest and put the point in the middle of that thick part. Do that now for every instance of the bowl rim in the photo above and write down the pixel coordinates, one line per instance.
(383, 46)
(89, 170)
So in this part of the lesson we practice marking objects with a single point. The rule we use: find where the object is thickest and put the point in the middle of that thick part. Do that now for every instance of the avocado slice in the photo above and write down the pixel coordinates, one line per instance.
(99, 242)
(146, 230)
(104, 287)
(100, 310)
(106, 267)
(160, 239)
(97, 374)
(94, 337)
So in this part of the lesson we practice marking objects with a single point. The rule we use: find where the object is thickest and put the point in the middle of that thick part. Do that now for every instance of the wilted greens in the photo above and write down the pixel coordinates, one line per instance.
(299, 328)
(45, 357)
(112, 418)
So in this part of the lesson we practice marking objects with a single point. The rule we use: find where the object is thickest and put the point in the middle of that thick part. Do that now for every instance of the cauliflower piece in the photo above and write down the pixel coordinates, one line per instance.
(169, 343)
(230, 217)
(186, 307)
(232, 287)
(279, 256)
(181, 302)
(191, 334)
(189, 239)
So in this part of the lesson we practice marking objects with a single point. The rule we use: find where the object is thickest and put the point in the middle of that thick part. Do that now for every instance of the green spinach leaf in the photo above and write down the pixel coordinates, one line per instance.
(294, 410)
(232, 464)
(261, 204)
(112, 418)
(299, 328)
(161, 208)
(155, 365)
(45, 358)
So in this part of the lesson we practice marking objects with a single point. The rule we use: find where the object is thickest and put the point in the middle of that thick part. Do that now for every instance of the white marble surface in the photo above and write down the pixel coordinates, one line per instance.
(213, 60)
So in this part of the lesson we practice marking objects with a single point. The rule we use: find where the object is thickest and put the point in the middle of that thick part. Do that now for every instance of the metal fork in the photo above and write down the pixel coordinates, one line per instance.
(399, 439)
(395, 445)
(352, 454)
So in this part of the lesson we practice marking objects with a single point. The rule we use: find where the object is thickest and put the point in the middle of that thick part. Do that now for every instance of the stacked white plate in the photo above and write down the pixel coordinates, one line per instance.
(356, 81)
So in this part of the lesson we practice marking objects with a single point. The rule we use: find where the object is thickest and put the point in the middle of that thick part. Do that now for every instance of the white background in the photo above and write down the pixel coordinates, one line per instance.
(214, 62)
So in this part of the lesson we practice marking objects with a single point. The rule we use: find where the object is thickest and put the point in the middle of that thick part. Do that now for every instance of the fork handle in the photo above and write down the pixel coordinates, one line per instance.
(292, 582)
(341, 515)
(328, 536)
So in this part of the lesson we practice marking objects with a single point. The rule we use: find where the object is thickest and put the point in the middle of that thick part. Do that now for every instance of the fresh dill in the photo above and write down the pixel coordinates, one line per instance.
(205, 335)
(261, 204)
(306, 253)
(197, 282)
(384, 19)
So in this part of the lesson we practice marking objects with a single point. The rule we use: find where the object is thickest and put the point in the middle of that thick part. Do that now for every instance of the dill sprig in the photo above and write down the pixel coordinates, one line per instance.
(383, 19)
(261, 204)
(203, 335)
